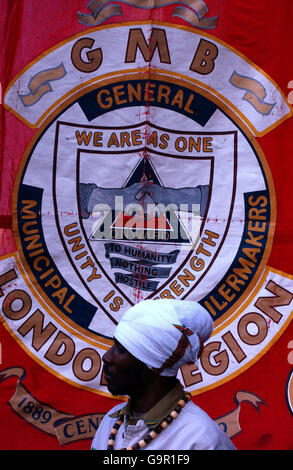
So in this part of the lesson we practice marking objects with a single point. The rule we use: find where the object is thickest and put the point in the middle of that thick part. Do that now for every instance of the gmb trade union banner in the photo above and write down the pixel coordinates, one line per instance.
(145, 155)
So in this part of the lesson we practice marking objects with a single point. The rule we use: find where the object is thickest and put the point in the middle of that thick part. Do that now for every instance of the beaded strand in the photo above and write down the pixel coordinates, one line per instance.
(152, 434)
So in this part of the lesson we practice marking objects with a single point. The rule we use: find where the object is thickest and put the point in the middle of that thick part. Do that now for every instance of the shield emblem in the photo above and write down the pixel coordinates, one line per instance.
(138, 217)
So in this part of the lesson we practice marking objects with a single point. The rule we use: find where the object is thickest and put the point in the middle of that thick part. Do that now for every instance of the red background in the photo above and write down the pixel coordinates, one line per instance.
(260, 30)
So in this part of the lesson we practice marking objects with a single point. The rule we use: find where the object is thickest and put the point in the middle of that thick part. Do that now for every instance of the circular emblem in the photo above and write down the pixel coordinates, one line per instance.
(143, 185)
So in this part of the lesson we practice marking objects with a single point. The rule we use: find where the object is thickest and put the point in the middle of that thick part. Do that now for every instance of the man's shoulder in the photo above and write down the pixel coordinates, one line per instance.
(100, 440)
(196, 413)
(204, 427)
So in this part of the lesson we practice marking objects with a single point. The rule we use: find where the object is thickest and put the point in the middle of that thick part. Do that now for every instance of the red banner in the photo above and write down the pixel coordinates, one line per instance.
(145, 153)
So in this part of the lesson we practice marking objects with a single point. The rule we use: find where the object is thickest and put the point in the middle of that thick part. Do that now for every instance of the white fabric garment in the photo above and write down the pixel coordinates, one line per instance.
(193, 429)
(153, 330)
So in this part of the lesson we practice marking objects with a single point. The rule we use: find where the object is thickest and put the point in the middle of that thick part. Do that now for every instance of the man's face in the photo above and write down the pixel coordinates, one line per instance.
(123, 372)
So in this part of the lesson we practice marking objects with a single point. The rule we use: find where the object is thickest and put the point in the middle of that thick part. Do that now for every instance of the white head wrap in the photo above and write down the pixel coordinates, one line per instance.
(164, 334)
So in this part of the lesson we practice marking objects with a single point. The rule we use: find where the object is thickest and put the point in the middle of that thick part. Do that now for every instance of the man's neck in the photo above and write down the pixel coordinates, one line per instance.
(144, 399)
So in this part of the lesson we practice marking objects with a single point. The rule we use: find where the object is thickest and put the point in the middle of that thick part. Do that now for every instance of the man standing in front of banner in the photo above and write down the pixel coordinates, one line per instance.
(152, 341)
